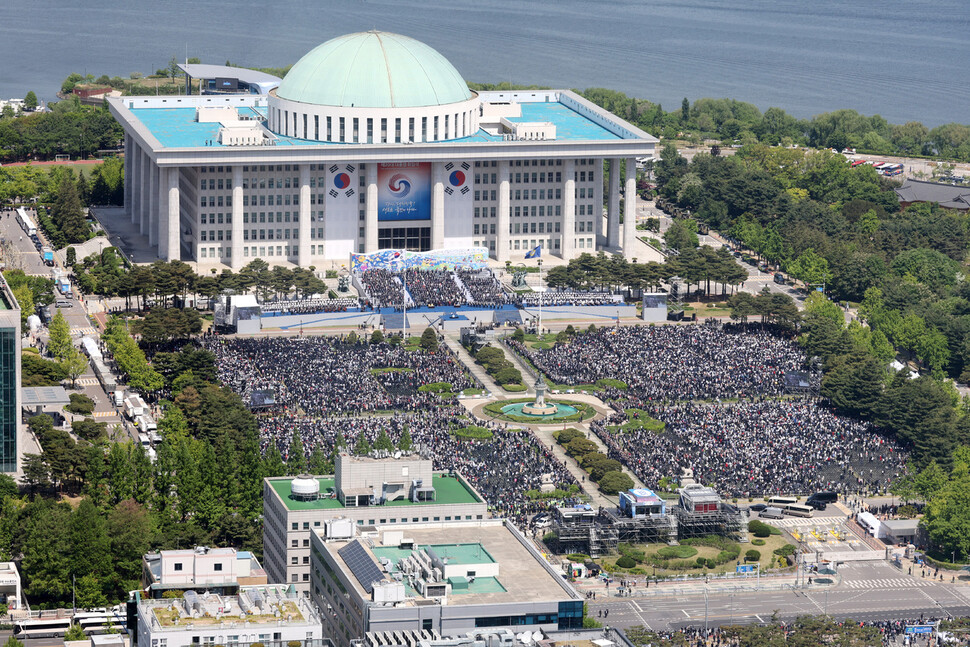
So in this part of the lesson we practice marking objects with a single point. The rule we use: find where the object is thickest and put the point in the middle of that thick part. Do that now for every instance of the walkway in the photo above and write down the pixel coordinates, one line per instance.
(474, 368)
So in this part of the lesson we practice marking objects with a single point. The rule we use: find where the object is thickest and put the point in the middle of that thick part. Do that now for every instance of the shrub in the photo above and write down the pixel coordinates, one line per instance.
(508, 375)
(563, 437)
(613, 482)
(678, 552)
(80, 404)
(577, 557)
(515, 388)
(757, 542)
(752, 555)
(785, 551)
(549, 537)
(626, 562)
(701, 562)
(376, 337)
(759, 528)
(518, 335)
(331, 274)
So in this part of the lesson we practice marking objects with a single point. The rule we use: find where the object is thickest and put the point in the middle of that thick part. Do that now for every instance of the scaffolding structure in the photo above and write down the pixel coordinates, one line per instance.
(727, 521)
(602, 534)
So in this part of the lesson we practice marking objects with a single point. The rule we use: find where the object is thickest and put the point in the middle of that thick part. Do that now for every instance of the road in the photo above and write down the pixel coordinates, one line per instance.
(19, 252)
(869, 591)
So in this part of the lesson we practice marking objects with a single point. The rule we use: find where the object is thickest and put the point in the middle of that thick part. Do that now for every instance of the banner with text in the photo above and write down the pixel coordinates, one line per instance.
(404, 191)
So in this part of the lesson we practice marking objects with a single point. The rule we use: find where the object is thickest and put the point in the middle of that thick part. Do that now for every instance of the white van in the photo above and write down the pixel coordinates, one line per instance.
(772, 513)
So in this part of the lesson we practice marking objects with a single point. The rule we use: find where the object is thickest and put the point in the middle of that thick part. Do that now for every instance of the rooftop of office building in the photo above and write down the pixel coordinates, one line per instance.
(485, 562)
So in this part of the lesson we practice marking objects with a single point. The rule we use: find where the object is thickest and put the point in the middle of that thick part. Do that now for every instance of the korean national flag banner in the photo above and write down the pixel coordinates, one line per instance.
(458, 179)
(535, 253)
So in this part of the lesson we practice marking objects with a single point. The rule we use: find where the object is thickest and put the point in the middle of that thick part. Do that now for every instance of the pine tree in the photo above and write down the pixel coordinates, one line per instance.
(67, 213)
(404, 444)
(383, 442)
(362, 447)
(296, 455)
(273, 462)
(319, 464)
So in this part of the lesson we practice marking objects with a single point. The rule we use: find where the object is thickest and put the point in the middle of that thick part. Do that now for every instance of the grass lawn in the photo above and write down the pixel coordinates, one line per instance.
(638, 419)
(473, 391)
(767, 558)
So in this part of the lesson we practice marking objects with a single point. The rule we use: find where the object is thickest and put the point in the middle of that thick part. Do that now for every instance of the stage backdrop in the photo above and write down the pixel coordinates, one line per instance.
(404, 191)
(394, 260)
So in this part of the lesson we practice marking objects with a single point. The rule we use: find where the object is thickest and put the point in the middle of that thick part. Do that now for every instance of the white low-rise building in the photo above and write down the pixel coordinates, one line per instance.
(10, 585)
(271, 616)
(219, 570)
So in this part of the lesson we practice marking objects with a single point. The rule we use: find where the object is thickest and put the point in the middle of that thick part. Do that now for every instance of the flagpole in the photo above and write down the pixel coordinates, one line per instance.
(539, 331)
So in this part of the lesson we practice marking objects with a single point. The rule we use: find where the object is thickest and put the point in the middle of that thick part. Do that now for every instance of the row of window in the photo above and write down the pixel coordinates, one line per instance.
(451, 127)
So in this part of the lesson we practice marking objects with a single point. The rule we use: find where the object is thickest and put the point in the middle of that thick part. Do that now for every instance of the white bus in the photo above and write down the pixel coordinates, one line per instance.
(93, 622)
(26, 223)
(797, 510)
(781, 501)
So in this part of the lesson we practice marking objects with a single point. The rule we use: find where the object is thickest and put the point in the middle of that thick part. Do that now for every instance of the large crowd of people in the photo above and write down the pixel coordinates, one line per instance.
(325, 386)
(756, 448)
(484, 288)
(660, 363)
(383, 288)
(567, 298)
(308, 306)
(430, 288)
(324, 376)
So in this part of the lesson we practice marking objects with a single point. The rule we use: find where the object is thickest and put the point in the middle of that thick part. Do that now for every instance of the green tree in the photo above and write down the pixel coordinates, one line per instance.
(30, 101)
(74, 364)
(377, 337)
(404, 443)
(75, 632)
(59, 337)
(362, 447)
(296, 456)
(383, 442)
(429, 340)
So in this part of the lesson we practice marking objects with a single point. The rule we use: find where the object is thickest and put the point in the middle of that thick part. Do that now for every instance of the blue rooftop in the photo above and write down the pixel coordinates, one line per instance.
(177, 127)
(570, 125)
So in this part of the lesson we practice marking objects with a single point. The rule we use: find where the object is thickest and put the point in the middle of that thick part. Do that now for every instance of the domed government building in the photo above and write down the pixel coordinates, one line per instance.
(373, 141)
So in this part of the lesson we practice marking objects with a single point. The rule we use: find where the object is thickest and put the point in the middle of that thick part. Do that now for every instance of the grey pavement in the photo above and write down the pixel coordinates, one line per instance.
(869, 591)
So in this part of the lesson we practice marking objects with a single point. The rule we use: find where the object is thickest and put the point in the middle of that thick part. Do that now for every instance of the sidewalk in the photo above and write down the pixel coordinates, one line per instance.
(475, 369)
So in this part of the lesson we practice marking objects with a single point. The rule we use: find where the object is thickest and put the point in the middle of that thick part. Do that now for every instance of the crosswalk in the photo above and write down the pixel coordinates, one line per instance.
(87, 330)
(87, 381)
(888, 583)
(796, 522)
(105, 414)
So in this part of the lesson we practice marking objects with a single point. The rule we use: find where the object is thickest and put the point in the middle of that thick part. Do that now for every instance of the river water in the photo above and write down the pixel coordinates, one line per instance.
(903, 60)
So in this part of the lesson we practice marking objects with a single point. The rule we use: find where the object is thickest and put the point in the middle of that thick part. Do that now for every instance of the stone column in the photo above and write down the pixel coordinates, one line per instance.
(630, 209)
(598, 202)
(502, 233)
(144, 189)
(159, 214)
(129, 153)
(303, 246)
(173, 230)
(370, 214)
(155, 207)
(613, 207)
(437, 206)
(236, 262)
(568, 244)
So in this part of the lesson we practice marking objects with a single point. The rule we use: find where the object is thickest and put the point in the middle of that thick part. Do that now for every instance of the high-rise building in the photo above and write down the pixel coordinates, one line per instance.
(9, 379)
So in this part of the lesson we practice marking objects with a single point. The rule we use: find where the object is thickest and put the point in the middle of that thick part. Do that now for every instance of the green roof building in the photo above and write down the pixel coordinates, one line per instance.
(364, 492)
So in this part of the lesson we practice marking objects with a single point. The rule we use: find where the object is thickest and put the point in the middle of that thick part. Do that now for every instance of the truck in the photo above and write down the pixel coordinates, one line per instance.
(146, 424)
(119, 396)
(64, 287)
(135, 407)
(48, 255)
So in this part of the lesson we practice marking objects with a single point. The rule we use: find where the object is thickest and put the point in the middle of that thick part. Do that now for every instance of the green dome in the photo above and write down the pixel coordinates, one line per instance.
(374, 70)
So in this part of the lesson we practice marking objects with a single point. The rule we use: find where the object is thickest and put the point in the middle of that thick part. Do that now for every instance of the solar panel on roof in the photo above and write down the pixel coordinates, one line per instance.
(361, 565)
